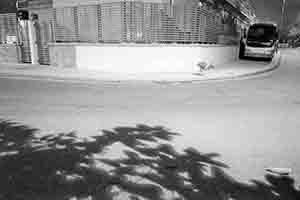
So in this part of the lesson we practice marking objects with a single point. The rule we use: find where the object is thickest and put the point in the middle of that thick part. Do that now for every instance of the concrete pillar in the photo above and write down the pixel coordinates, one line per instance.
(32, 42)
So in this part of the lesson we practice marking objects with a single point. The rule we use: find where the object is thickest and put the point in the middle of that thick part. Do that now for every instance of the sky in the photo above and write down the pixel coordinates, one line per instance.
(271, 9)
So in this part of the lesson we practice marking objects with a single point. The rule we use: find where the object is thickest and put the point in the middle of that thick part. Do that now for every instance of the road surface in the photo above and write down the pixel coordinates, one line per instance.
(252, 123)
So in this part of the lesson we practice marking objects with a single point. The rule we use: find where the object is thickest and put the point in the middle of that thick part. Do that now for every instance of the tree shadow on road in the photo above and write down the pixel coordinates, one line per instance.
(65, 166)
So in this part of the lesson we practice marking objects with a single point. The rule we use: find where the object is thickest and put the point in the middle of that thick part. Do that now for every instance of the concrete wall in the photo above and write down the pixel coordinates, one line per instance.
(8, 53)
(140, 58)
(62, 55)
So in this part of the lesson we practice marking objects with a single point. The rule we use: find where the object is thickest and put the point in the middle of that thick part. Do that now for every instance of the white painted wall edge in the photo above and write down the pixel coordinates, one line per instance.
(141, 59)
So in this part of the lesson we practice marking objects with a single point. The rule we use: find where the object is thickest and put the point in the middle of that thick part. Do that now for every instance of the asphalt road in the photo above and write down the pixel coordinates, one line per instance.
(252, 123)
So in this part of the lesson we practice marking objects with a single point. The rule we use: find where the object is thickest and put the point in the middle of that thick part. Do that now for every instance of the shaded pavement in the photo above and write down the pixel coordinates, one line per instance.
(65, 166)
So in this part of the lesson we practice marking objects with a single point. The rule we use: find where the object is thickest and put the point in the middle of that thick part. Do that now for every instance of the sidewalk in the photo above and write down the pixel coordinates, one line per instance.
(229, 71)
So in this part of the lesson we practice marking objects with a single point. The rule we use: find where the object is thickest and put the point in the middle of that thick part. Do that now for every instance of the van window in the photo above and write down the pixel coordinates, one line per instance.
(262, 33)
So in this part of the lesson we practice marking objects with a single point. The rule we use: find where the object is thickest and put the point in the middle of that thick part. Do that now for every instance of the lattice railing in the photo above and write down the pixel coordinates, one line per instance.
(136, 22)
(8, 26)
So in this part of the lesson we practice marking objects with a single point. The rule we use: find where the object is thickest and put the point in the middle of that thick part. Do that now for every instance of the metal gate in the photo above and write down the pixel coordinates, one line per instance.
(7, 26)
(44, 34)
(23, 43)
(14, 32)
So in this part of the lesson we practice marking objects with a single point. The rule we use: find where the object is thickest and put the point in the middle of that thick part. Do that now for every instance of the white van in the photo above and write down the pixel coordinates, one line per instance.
(260, 41)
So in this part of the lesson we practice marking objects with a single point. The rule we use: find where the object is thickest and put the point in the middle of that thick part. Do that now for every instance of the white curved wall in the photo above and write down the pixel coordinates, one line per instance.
(160, 58)
(136, 58)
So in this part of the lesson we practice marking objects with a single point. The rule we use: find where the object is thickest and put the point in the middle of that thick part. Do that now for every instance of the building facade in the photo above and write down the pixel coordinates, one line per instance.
(135, 21)
(145, 21)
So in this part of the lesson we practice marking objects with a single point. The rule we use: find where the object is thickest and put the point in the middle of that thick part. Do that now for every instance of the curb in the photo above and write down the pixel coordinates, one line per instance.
(270, 67)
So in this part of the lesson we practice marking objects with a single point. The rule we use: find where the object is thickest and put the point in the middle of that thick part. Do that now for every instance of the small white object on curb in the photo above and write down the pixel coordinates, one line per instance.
(205, 66)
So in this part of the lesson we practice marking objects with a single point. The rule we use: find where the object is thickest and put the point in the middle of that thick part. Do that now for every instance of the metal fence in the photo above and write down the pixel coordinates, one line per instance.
(136, 22)
(8, 27)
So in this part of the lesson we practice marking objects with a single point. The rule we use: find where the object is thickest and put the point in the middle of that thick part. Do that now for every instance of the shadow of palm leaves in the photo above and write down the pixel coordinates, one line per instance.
(65, 166)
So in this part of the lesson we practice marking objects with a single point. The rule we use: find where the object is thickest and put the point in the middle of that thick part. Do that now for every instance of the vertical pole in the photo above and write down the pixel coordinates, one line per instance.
(18, 44)
(32, 42)
(19, 35)
(281, 20)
